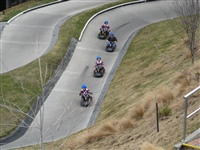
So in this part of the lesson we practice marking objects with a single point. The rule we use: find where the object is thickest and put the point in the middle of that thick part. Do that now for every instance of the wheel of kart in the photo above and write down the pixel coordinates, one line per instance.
(101, 71)
(90, 99)
(85, 104)
(98, 74)
(109, 49)
(82, 103)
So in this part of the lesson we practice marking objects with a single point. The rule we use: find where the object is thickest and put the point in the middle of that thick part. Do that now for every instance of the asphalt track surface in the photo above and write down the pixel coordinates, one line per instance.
(32, 34)
(62, 112)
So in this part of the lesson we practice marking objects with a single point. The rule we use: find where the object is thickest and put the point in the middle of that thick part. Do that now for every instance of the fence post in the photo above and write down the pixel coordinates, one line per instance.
(157, 119)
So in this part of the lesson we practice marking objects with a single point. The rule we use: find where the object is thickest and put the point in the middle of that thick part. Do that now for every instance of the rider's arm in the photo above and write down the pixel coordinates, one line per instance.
(81, 92)
(108, 28)
(102, 63)
(95, 65)
(88, 91)
(115, 39)
(108, 39)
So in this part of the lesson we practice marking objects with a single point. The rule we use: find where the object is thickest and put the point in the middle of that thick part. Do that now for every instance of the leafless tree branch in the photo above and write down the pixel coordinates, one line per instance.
(189, 12)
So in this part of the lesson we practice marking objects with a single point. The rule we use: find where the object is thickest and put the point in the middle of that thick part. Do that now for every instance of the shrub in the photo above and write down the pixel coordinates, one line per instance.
(149, 146)
(165, 111)
(136, 113)
(125, 124)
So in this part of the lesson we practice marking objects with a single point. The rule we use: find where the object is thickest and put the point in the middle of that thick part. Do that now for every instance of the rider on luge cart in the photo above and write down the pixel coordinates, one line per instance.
(104, 30)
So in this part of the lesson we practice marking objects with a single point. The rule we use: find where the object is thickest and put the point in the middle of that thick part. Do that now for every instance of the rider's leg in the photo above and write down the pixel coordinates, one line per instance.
(107, 44)
(101, 70)
(114, 45)
(95, 70)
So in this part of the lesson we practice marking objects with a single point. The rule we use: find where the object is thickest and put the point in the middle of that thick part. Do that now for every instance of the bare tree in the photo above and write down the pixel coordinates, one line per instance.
(189, 11)
(44, 133)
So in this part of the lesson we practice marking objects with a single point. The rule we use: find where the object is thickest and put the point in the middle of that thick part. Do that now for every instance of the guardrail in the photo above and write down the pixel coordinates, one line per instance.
(185, 111)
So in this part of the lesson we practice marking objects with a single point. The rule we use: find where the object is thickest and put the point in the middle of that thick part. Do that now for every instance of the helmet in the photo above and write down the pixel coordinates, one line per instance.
(98, 57)
(111, 34)
(106, 22)
(84, 86)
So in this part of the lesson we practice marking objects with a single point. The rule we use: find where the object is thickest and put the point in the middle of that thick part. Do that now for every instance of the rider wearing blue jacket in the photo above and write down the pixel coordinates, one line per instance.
(112, 39)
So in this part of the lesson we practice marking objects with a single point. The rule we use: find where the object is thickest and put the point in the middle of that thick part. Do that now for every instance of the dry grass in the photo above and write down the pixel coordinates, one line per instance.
(180, 90)
(109, 128)
(165, 96)
(126, 124)
(136, 113)
(106, 129)
(148, 101)
(149, 146)
(183, 79)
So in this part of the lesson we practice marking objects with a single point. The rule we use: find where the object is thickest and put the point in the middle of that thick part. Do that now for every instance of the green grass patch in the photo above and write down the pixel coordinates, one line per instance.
(165, 111)
(14, 10)
(194, 127)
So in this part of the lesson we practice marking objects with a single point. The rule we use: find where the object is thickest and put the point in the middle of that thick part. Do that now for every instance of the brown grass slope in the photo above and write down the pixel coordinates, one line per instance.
(127, 117)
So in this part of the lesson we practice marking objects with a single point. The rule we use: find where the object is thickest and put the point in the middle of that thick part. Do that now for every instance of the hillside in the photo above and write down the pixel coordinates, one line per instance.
(155, 65)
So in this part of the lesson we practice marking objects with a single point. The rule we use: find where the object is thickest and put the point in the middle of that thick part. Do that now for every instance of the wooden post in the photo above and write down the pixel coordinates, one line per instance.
(157, 117)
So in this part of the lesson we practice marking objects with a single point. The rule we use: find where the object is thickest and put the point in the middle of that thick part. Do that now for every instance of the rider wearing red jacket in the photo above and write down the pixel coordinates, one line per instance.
(105, 27)
(84, 90)
(99, 64)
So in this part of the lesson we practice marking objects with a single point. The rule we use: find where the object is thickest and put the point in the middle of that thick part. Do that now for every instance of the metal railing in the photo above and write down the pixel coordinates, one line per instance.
(185, 111)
